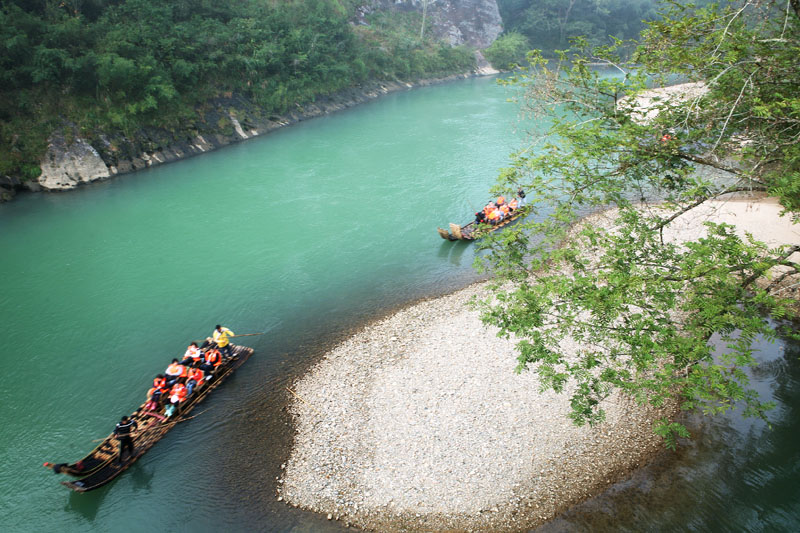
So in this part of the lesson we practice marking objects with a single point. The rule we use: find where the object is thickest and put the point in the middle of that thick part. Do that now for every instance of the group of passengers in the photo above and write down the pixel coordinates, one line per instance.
(499, 210)
(182, 378)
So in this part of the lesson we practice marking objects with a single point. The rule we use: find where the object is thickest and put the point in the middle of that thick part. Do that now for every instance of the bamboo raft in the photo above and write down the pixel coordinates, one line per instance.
(471, 231)
(99, 466)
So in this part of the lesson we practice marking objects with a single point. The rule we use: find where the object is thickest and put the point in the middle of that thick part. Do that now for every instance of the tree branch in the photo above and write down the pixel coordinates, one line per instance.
(760, 272)
(699, 202)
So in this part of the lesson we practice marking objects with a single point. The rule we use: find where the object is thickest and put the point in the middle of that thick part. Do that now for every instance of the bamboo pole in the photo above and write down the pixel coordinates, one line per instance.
(159, 426)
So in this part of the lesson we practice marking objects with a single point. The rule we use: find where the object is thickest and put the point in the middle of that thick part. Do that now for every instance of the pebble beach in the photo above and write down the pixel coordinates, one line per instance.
(419, 422)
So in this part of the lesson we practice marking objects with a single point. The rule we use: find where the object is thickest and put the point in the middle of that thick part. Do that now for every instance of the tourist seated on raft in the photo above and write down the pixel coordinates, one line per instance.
(494, 216)
(177, 396)
(195, 378)
(174, 372)
(153, 399)
(192, 355)
(212, 360)
(160, 382)
(153, 404)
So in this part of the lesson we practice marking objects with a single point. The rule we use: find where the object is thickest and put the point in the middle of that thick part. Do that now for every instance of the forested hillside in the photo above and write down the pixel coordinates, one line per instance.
(549, 24)
(120, 65)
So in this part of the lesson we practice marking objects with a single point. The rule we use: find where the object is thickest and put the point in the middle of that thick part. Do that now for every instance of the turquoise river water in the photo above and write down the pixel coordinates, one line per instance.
(302, 234)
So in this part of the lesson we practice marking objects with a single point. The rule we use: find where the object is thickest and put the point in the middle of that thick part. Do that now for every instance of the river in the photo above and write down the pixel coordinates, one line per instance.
(303, 234)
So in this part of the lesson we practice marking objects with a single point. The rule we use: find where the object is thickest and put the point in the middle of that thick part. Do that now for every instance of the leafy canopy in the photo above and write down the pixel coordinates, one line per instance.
(121, 65)
(642, 308)
(508, 50)
(549, 24)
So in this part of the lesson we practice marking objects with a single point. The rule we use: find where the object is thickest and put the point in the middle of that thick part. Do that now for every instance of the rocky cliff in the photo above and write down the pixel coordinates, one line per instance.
(475, 23)
(72, 160)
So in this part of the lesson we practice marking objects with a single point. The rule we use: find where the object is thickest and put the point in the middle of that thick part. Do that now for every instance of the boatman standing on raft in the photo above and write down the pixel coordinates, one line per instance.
(123, 434)
(220, 337)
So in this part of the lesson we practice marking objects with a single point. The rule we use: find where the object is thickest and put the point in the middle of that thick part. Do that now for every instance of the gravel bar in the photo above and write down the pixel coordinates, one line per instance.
(419, 422)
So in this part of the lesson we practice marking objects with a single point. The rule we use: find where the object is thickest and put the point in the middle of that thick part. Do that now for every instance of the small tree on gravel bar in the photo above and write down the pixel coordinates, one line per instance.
(642, 308)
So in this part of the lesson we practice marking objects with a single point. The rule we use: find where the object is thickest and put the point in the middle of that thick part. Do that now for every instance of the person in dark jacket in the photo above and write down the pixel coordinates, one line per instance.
(123, 433)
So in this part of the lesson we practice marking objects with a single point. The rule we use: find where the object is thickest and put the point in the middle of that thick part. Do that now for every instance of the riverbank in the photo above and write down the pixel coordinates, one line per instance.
(418, 421)
(72, 161)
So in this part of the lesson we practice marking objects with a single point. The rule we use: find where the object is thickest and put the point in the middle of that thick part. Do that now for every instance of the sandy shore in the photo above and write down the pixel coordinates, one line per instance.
(419, 422)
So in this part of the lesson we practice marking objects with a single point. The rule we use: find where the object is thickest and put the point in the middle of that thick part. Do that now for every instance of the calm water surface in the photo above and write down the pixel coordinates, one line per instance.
(302, 234)
(737, 474)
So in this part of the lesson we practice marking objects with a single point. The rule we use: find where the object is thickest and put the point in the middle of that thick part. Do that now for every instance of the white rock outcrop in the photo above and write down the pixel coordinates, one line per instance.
(67, 165)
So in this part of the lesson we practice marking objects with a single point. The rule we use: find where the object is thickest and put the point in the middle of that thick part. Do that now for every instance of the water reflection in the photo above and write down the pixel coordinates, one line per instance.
(142, 477)
(86, 504)
(736, 474)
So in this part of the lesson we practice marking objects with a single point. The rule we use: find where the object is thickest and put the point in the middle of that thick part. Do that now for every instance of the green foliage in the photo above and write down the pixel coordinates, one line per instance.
(670, 432)
(641, 308)
(125, 64)
(508, 51)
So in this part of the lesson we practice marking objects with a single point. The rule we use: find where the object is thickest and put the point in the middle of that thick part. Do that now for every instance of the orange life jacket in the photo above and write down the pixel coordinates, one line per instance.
(501, 200)
(505, 209)
(159, 383)
(213, 357)
(180, 391)
(196, 374)
(513, 204)
(494, 214)
(176, 369)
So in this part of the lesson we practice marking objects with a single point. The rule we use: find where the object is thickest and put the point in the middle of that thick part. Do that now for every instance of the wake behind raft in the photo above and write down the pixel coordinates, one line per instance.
(100, 466)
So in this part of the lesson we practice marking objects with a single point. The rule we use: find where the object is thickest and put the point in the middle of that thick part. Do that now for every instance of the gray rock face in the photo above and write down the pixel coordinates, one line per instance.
(472, 22)
(67, 165)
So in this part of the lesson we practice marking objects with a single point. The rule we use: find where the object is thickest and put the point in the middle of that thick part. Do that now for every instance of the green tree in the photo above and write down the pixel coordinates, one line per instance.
(549, 24)
(644, 309)
(508, 51)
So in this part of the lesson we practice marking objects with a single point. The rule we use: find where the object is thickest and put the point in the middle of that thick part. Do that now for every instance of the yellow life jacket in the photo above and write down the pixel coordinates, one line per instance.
(221, 337)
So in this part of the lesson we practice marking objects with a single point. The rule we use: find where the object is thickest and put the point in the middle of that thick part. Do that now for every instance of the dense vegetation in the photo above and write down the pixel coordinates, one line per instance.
(550, 24)
(642, 308)
(125, 64)
(508, 51)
